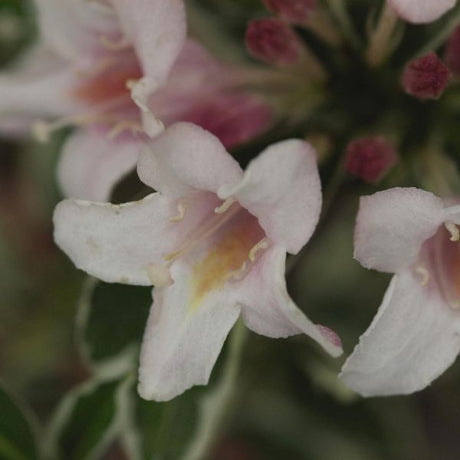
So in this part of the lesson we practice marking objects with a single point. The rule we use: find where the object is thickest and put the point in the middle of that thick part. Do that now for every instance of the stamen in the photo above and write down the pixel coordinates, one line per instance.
(132, 126)
(262, 244)
(181, 213)
(114, 45)
(224, 206)
(453, 230)
(41, 130)
(159, 275)
(237, 275)
(424, 274)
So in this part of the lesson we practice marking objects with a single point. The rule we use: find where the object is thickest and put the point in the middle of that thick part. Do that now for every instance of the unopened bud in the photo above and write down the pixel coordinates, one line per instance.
(452, 55)
(273, 41)
(370, 158)
(294, 11)
(425, 77)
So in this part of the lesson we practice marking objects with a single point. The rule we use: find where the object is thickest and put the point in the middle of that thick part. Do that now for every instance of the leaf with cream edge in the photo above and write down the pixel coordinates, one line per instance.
(212, 240)
(421, 11)
(415, 335)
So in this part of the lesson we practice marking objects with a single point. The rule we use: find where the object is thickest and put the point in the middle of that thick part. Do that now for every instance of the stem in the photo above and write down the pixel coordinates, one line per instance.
(442, 35)
(380, 40)
(341, 16)
(214, 406)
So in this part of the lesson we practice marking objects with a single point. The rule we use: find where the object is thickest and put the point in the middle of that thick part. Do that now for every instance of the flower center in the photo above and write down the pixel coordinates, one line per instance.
(441, 264)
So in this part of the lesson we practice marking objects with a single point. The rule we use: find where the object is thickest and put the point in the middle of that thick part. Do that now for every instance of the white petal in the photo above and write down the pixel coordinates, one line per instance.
(282, 189)
(157, 30)
(413, 339)
(421, 11)
(181, 343)
(91, 163)
(73, 28)
(117, 243)
(185, 158)
(269, 310)
(392, 225)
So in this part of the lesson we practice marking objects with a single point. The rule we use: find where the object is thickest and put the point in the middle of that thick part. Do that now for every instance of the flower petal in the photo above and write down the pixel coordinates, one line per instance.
(413, 339)
(74, 28)
(117, 243)
(392, 225)
(269, 310)
(185, 158)
(181, 344)
(418, 11)
(157, 30)
(40, 85)
(91, 163)
(282, 189)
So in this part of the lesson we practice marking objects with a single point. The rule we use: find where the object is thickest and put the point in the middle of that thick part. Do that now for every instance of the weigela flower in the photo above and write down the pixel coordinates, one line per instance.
(415, 335)
(97, 61)
(294, 11)
(212, 240)
(421, 11)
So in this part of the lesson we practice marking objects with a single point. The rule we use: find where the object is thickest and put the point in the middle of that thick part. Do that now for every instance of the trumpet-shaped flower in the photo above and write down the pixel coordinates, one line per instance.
(106, 67)
(212, 240)
(415, 335)
(421, 11)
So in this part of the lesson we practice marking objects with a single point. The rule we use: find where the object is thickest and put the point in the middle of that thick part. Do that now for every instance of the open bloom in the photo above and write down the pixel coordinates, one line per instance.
(415, 335)
(213, 241)
(421, 11)
(106, 67)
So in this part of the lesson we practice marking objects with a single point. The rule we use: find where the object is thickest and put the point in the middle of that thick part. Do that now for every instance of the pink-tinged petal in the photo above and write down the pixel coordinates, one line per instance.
(74, 28)
(282, 188)
(234, 118)
(40, 85)
(118, 243)
(392, 226)
(421, 11)
(185, 158)
(91, 163)
(268, 309)
(181, 344)
(411, 341)
(157, 30)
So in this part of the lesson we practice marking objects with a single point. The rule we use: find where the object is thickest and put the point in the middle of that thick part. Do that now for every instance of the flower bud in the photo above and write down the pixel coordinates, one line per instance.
(370, 158)
(452, 55)
(295, 11)
(425, 77)
(273, 41)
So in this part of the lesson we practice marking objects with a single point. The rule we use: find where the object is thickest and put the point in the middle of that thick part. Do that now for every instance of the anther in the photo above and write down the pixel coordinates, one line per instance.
(159, 275)
(237, 275)
(224, 206)
(424, 274)
(114, 45)
(453, 230)
(262, 244)
(132, 126)
(41, 130)
(180, 213)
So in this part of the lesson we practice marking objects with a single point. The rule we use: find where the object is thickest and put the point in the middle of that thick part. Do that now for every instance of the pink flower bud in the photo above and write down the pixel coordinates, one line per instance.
(295, 11)
(452, 56)
(370, 158)
(273, 41)
(425, 77)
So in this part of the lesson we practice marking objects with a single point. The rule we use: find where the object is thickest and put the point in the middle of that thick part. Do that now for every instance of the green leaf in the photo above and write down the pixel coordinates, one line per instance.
(16, 437)
(112, 318)
(88, 420)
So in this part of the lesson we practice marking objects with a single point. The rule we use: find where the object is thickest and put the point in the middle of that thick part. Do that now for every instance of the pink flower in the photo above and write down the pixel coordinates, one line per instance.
(370, 158)
(213, 241)
(95, 59)
(425, 77)
(294, 11)
(421, 11)
(273, 41)
(415, 335)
